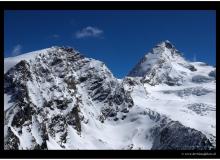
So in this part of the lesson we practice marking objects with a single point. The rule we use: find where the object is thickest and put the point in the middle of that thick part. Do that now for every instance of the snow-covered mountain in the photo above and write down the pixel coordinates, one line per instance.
(56, 98)
(164, 64)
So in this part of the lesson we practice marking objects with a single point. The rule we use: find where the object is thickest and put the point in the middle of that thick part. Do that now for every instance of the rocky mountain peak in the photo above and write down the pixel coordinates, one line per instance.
(164, 64)
(166, 49)
(55, 89)
(166, 44)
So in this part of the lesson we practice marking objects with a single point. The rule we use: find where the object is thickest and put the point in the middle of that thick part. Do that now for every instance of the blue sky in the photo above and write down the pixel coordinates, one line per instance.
(118, 38)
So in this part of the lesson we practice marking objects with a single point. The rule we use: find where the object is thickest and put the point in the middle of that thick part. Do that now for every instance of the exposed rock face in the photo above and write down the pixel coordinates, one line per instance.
(201, 108)
(201, 79)
(12, 142)
(213, 73)
(175, 136)
(172, 135)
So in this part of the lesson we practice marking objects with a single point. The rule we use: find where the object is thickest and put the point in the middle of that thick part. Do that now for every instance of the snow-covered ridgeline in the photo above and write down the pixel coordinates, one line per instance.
(58, 99)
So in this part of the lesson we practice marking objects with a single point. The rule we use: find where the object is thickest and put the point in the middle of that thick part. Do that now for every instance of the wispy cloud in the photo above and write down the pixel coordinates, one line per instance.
(89, 32)
(55, 36)
(16, 50)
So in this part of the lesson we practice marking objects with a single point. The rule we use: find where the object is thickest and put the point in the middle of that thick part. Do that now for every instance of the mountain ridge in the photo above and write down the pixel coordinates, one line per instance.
(59, 99)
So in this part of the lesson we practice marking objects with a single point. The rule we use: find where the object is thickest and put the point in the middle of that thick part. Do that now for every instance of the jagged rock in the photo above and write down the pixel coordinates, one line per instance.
(74, 119)
(12, 142)
(200, 108)
(201, 79)
(213, 73)
(175, 136)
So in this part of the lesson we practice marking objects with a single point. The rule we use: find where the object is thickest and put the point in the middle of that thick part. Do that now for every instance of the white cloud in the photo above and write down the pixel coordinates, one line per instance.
(16, 50)
(89, 32)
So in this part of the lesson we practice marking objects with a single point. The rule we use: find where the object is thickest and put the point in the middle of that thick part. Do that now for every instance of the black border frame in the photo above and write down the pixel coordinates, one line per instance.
(107, 5)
